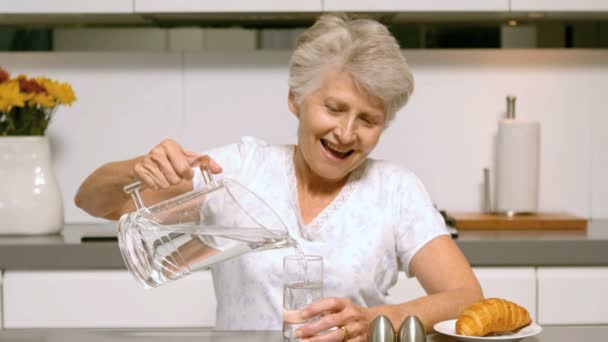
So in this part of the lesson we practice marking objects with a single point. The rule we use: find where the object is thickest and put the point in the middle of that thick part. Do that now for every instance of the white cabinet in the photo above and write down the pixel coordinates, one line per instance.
(213, 6)
(573, 295)
(66, 6)
(416, 6)
(112, 299)
(559, 5)
(104, 299)
(517, 284)
(1, 320)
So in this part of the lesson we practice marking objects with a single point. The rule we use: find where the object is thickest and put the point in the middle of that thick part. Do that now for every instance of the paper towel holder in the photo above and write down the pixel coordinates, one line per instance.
(513, 205)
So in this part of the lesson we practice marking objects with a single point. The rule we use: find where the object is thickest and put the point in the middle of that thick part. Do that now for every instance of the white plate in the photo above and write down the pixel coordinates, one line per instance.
(449, 328)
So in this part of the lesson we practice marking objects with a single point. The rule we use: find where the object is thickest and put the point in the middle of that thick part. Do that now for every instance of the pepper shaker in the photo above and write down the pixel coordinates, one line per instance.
(381, 330)
(411, 330)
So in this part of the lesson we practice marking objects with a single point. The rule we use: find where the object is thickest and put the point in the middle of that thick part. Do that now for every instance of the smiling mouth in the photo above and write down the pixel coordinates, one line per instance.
(333, 150)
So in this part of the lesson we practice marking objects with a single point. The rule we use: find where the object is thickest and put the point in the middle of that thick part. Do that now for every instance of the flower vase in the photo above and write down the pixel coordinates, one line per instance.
(30, 198)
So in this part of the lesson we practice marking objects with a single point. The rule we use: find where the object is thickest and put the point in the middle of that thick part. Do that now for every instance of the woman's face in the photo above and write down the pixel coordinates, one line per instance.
(339, 127)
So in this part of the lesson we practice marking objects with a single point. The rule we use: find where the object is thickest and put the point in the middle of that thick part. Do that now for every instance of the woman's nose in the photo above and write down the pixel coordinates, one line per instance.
(346, 132)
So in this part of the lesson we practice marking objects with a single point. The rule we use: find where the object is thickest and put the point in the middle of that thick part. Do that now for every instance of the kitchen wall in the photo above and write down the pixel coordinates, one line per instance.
(130, 101)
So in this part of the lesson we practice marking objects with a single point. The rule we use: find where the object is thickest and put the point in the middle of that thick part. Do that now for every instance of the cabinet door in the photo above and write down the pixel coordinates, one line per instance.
(243, 6)
(1, 286)
(416, 6)
(572, 295)
(517, 284)
(559, 5)
(66, 6)
(106, 299)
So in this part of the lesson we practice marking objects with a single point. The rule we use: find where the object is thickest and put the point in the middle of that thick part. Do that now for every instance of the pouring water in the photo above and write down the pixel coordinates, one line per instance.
(219, 221)
(157, 253)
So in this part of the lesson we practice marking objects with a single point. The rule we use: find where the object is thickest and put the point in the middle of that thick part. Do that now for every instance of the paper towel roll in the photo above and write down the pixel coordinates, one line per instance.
(517, 166)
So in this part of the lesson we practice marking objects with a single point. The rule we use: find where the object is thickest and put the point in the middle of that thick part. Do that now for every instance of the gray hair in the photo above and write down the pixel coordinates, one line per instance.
(362, 47)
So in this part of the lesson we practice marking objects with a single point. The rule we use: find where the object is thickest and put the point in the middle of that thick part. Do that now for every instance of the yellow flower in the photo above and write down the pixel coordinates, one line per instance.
(62, 92)
(10, 96)
(42, 99)
(40, 95)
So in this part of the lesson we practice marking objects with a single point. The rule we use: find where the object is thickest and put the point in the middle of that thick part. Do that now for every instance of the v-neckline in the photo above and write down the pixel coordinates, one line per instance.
(326, 213)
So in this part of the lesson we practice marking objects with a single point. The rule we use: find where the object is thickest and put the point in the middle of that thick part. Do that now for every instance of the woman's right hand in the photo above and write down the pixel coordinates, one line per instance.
(168, 164)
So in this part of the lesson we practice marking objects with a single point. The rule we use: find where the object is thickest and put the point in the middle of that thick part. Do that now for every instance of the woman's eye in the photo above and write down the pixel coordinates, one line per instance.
(367, 122)
(332, 109)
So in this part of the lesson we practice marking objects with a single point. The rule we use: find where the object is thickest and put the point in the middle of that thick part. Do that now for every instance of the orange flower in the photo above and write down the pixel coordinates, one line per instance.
(4, 76)
(30, 86)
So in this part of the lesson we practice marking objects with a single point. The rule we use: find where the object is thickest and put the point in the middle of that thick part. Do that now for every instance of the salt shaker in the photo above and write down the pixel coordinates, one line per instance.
(381, 330)
(411, 330)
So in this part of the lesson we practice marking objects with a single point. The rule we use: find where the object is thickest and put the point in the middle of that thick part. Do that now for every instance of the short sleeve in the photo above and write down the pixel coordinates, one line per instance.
(419, 222)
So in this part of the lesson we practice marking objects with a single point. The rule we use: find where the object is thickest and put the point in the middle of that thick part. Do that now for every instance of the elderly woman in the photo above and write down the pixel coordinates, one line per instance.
(367, 218)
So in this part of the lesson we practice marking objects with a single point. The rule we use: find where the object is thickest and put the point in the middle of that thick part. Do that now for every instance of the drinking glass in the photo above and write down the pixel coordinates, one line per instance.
(302, 285)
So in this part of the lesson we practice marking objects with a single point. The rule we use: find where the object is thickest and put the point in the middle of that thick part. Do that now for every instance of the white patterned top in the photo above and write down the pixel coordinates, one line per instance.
(372, 229)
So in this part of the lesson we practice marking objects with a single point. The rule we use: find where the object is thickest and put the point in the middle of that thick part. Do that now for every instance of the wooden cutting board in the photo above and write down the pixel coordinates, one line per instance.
(540, 221)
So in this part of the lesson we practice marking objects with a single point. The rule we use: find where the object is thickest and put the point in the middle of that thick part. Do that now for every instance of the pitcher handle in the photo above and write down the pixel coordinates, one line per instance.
(134, 188)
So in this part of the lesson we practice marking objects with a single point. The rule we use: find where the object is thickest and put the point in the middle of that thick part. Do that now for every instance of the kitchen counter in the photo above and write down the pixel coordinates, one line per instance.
(549, 334)
(94, 246)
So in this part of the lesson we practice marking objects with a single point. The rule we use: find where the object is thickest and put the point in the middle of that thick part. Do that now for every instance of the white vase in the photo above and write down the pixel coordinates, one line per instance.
(30, 198)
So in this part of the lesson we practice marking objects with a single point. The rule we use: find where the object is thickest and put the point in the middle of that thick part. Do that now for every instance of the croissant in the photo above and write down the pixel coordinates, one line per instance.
(492, 315)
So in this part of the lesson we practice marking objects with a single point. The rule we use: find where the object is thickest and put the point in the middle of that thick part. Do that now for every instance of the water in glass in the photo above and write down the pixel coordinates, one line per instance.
(303, 285)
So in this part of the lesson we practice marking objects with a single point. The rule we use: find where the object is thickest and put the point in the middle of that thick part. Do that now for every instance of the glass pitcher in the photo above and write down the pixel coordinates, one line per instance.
(221, 220)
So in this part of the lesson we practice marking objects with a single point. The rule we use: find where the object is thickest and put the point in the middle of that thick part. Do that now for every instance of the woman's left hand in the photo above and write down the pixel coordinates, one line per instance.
(352, 321)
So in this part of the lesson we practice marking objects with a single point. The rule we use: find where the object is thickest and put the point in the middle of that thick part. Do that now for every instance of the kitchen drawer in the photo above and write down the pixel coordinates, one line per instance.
(106, 299)
(517, 284)
(572, 295)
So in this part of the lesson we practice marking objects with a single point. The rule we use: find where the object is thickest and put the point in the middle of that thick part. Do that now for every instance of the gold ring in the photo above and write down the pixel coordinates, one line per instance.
(346, 333)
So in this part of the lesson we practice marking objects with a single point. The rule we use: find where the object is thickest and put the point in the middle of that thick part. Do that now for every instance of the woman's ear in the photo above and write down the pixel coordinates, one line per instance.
(293, 106)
